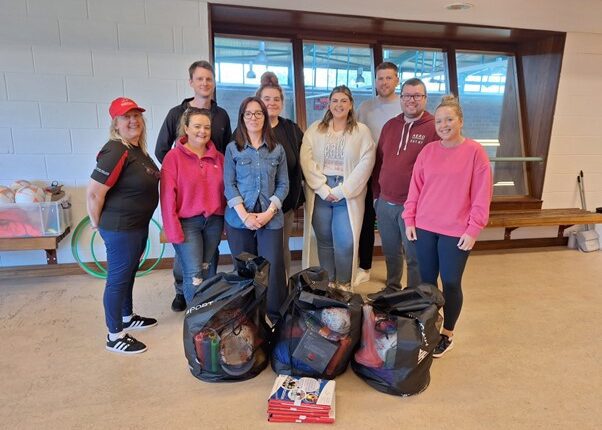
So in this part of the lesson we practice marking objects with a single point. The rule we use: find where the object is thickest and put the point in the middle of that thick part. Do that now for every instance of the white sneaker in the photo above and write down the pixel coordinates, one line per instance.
(362, 276)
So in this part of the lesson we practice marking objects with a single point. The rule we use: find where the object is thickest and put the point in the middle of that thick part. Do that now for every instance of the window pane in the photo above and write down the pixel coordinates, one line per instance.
(327, 66)
(239, 64)
(428, 65)
(489, 97)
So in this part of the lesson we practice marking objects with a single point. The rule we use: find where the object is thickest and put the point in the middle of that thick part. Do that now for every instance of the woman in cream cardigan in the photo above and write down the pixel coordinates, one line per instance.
(337, 156)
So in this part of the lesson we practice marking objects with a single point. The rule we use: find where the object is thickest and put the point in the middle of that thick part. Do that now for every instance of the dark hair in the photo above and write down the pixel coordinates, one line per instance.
(387, 65)
(242, 136)
(189, 113)
(203, 65)
(351, 122)
(451, 102)
(269, 80)
(413, 82)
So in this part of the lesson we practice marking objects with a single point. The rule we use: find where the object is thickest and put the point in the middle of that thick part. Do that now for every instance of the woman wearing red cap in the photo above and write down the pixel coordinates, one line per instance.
(121, 198)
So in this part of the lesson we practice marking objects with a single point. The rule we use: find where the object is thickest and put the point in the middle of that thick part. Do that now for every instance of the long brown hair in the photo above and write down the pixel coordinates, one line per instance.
(351, 122)
(242, 136)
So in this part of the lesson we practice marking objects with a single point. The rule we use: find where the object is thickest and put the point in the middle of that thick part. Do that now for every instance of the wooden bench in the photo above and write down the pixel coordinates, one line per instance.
(46, 243)
(510, 220)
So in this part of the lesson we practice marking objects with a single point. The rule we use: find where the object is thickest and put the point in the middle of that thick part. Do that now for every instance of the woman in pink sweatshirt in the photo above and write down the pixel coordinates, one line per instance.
(192, 198)
(446, 209)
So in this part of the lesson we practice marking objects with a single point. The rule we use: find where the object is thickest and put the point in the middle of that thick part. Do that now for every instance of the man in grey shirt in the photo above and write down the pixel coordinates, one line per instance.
(375, 113)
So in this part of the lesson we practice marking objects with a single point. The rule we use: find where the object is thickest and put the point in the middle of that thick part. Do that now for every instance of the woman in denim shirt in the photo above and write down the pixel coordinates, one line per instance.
(256, 184)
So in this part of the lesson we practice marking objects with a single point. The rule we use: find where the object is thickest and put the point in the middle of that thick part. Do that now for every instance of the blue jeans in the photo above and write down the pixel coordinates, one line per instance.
(124, 249)
(396, 245)
(439, 254)
(177, 271)
(334, 236)
(201, 239)
(266, 243)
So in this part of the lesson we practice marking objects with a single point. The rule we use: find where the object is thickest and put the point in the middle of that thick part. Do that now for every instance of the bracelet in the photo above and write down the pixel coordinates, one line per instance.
(274, 210)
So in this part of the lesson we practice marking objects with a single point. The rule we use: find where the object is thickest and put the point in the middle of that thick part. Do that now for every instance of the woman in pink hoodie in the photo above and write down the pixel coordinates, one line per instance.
(192, 198)
(446, 209)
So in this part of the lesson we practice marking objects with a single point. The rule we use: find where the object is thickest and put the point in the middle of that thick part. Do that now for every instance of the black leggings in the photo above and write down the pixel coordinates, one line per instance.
(366, 245)
(439, 254)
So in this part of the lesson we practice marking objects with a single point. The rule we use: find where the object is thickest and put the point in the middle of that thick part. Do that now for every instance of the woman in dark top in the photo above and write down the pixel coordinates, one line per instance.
(289, 135)
(121, 198)
(255, 185)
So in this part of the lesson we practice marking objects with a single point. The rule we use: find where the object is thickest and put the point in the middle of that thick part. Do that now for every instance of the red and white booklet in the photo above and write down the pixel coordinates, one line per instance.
(303, 400)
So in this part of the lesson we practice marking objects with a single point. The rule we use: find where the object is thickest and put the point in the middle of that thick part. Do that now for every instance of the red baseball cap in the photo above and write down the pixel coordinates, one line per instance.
(122, 105)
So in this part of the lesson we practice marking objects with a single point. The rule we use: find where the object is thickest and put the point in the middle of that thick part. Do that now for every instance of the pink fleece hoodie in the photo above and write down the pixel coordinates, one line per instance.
(190, 186)
(450, 190)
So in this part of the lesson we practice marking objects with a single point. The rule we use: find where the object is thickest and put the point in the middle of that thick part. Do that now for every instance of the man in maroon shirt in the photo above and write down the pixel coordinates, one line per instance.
(401, 140)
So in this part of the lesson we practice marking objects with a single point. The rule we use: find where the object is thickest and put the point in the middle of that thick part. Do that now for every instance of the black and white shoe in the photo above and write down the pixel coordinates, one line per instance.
(125, 345)
(445, 345)
(139, 323)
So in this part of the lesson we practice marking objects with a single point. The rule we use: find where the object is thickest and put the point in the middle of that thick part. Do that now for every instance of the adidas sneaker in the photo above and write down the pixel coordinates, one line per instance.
(139, 323)
(125, 345)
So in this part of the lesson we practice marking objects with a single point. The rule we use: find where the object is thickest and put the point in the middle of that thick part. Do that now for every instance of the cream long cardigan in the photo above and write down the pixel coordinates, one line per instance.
(359, 155)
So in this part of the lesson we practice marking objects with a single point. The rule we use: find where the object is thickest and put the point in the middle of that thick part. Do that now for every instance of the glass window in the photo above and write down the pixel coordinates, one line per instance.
(327, 66)
(429, 65)
(489, 97)
(239, 64)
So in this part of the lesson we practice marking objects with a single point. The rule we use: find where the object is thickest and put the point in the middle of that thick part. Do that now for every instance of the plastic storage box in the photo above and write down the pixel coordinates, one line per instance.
(35, 219)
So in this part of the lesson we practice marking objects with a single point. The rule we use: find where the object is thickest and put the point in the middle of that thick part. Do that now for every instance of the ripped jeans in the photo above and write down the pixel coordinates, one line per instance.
(201, 239)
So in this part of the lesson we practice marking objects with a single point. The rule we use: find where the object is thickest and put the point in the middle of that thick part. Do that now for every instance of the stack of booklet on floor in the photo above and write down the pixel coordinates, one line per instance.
(301, 400)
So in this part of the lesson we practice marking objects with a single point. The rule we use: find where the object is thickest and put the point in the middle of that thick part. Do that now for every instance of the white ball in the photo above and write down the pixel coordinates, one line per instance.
(30, 194)
(18, 184)
(6, 195)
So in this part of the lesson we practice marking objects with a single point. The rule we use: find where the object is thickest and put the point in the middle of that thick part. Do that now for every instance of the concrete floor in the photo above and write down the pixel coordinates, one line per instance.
(526, 357)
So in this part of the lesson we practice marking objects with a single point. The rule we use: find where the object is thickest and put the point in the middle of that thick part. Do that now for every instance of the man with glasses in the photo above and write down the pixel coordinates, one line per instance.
(401, 140)
(375, 112)
(202, 81)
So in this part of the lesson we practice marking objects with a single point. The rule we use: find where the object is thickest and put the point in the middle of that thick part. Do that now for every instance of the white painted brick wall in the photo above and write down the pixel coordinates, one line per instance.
(145, 37)
(176, 12)
(41, 141)
(30, 167)
(29, 30)
(195, 40)
(36, 87)
(6, 141)
(13, 7)
(88, 141)
(114, 63)
(151, 91)
(94, 89)
(130, 11)
(73, 166)
(19, 114)
(88, 34)
(170, 66)
(15, 58)
(68, 115)
(58, 8)
(64, 61)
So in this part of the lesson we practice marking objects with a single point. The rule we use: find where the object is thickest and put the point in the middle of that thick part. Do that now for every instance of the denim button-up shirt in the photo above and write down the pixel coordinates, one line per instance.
(255, 175)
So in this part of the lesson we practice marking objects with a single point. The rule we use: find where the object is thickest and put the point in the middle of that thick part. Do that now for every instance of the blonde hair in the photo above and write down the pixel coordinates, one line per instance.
(451, 102)
(351, 122)
(114, 135)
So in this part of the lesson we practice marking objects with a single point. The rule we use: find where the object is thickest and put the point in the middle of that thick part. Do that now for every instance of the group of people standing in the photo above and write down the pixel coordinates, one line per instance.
(346, 168)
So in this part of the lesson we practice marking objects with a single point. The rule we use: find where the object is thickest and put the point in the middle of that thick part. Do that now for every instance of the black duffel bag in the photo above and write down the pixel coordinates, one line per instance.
(319, 327)
(225, 332)
(400, 331)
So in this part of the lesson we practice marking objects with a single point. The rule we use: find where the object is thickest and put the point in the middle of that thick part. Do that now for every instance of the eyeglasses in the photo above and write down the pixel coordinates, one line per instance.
(415, 97)
(248, 114)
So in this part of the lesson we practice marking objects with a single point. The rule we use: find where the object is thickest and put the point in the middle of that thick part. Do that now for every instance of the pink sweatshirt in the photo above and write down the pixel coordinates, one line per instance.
(450, 190)
(190, 186)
